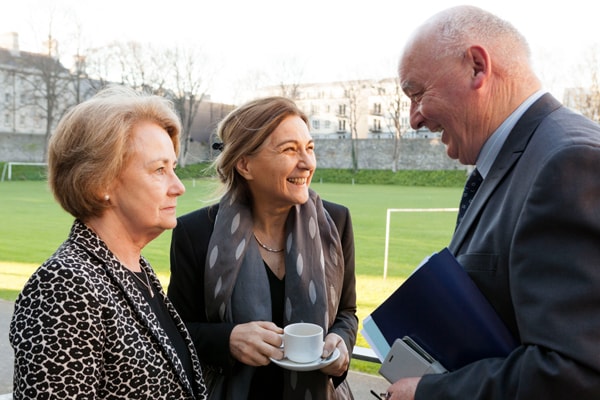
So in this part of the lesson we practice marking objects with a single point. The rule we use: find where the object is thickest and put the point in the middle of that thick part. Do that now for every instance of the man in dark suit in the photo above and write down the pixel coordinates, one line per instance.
(530, 238)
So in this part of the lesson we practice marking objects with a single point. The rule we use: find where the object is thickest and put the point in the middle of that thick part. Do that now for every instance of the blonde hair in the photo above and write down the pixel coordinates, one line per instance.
(92, 144)
(243, 131)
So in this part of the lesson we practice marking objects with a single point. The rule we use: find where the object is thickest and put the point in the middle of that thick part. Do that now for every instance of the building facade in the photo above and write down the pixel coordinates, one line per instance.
(36, 90)
(17, 113)
(360, 109)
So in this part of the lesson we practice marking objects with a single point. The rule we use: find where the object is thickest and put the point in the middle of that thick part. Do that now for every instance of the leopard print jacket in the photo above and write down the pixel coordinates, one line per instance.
(82, 329)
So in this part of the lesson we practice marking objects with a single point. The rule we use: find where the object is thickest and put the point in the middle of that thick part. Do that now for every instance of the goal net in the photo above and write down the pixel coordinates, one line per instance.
(7, 170)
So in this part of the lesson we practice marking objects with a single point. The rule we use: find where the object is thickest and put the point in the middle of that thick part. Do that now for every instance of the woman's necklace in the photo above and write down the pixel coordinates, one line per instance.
(146, 284)
(267, 248)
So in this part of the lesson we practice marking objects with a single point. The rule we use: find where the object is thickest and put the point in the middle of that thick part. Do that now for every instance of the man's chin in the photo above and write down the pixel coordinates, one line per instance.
(452, 153)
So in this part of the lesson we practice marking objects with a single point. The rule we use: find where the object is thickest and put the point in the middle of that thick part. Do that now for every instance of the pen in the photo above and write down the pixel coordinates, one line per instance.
(376, 395)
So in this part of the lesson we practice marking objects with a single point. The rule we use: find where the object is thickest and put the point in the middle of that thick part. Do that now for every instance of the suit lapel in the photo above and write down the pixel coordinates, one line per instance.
(511, 152)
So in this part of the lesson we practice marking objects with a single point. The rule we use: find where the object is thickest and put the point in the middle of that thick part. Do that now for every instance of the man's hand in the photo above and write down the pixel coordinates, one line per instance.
(404, 389)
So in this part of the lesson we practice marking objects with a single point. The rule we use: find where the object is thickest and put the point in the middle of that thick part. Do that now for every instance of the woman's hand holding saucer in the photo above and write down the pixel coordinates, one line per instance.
(339, 366)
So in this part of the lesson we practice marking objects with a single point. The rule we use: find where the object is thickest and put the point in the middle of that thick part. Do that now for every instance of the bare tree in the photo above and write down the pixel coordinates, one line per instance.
(188, 87)
(46, 85)
(588, 99)
(82, 86)
(289, 72)
(352, 95)
(396, 109)
(9, 84)
(249, 84)
(181, 74)
(133, 64)
(41, 87)
(99, 65)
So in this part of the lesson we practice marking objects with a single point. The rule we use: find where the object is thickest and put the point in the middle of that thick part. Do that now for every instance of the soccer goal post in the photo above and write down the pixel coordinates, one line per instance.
(8, 168)
(387, 227)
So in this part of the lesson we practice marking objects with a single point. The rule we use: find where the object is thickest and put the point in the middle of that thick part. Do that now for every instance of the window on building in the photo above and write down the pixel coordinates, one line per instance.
(405, 105)
(316, 124)
(327, 124)
(405, 122)
(342, 125)
(7, 98)
(377, 125)
(7, 119)
(342, 109)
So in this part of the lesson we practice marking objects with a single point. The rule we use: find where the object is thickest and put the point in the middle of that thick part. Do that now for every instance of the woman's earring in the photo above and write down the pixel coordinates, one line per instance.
(106, 197)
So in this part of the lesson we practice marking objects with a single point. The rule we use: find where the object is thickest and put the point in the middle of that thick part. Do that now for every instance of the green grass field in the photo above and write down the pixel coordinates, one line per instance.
(33, 226)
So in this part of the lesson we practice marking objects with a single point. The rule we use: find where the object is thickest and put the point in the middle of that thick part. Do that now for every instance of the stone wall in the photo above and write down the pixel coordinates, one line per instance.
(21, 147)
(415, 154)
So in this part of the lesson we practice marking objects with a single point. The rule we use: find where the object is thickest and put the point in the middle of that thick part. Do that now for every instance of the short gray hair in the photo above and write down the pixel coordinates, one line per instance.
(460, 27)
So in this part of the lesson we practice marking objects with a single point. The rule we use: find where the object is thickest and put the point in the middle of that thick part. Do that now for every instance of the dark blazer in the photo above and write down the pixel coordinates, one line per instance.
(189, 245)
(531, 242)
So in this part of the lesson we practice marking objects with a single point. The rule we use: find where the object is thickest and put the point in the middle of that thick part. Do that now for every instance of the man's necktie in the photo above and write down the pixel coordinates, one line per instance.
(471, 187)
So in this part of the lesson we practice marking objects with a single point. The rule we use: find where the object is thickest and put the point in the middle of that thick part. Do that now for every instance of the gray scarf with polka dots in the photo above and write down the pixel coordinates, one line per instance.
(237, 283)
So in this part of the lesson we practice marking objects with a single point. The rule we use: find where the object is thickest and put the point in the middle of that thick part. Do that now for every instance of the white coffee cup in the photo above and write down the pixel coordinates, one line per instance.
(303, 342)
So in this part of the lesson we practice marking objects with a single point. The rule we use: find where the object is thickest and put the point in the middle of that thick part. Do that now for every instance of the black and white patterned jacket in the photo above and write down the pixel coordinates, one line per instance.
(82, 329)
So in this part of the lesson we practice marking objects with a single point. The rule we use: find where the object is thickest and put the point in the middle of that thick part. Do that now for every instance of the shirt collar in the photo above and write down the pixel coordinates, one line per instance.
(494, 143)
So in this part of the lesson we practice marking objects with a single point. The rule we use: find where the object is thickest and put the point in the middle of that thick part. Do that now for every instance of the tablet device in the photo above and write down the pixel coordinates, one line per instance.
(407, 359)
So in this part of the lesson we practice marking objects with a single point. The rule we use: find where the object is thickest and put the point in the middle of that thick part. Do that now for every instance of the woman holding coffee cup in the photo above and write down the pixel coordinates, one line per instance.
(270, 254)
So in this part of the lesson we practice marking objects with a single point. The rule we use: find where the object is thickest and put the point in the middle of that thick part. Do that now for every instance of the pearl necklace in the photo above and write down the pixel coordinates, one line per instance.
(267, 248)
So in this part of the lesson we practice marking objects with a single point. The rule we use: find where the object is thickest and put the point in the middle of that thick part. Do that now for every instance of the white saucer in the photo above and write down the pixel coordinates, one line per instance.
(318, 364)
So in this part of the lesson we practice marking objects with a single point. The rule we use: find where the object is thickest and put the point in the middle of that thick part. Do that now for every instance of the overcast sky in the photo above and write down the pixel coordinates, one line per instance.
(327, 39)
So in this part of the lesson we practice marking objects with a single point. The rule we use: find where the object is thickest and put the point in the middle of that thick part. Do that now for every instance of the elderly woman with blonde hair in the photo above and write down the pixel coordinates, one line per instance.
(93, 320)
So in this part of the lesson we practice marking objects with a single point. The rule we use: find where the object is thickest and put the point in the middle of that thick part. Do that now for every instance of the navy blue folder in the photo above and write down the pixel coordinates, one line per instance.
(440, 307)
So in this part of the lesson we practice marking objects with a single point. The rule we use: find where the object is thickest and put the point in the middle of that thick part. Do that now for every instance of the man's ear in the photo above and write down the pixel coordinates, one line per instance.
(243, 169)
(481, 65)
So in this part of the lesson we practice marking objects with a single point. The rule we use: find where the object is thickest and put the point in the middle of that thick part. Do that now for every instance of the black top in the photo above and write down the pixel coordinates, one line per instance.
(267, 382)
(167, 323)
